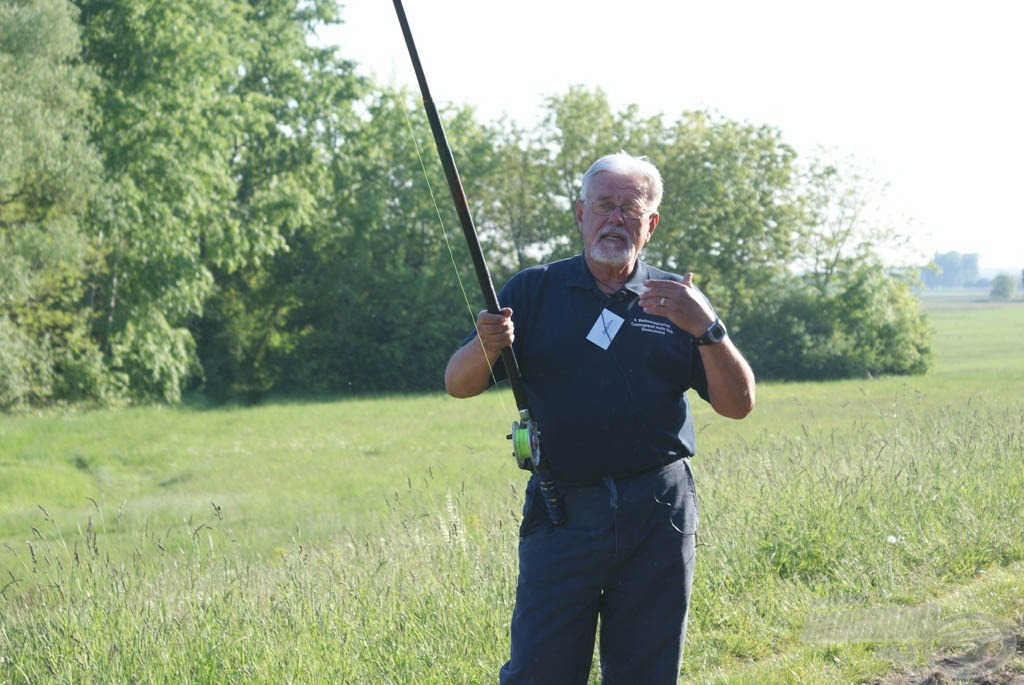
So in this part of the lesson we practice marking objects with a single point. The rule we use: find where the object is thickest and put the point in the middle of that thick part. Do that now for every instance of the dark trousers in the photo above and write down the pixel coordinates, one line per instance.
(625, 556)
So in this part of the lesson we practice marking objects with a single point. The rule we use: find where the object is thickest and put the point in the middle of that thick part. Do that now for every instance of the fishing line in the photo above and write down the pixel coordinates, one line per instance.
(525, 434)
(447, 241)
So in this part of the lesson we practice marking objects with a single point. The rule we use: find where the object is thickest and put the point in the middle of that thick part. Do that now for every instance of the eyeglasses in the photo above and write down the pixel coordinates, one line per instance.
(630, 210)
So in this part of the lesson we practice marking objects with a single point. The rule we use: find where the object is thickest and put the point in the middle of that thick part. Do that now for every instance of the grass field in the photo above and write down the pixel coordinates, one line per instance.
(373, 540)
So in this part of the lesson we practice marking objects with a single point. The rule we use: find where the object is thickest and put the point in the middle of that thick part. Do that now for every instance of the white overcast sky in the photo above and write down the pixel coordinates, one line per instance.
(927, 96)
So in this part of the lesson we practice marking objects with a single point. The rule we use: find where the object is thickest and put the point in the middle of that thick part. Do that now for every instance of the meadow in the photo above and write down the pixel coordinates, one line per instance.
(372, 540)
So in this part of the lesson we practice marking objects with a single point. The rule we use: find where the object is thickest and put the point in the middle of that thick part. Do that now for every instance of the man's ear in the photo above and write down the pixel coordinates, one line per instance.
(655, 219)
(579, 213)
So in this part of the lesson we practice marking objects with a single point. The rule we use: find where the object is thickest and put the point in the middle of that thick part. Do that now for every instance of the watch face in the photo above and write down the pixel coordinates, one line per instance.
(715, 334)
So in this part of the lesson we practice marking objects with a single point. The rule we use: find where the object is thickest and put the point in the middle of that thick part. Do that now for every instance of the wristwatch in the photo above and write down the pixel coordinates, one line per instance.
(715, 334)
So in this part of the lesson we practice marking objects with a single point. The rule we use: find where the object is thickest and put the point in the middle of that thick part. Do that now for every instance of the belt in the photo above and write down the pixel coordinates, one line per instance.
(600, 480)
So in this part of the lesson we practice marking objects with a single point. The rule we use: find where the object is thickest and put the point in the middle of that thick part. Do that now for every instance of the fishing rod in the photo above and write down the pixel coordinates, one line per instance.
(525, 434)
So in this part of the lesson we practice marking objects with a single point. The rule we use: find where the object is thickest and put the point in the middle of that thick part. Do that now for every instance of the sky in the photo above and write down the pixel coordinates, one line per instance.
(926, 97)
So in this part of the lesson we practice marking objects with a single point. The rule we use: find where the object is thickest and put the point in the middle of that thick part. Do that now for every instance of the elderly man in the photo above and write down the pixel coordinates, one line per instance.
(607, 346)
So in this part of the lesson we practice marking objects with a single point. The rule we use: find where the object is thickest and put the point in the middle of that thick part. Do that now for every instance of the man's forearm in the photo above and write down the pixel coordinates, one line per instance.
(730, 379)
(469, 370)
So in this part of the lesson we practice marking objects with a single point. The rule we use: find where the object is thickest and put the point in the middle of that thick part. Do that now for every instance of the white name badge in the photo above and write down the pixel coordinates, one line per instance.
(605, 328)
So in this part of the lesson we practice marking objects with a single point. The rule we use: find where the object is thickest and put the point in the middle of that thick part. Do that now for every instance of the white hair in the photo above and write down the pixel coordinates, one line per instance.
(624, 164)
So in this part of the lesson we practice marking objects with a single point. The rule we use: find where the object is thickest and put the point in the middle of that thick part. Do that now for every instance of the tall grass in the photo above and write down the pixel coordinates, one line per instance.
(425, 601)
(899, 519)
(373, 541)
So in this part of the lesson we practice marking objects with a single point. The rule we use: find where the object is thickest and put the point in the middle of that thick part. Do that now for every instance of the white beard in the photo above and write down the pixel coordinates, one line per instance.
(612, 254)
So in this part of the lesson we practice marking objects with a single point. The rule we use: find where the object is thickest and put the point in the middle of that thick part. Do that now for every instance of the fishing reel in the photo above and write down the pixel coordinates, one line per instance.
(525, 439)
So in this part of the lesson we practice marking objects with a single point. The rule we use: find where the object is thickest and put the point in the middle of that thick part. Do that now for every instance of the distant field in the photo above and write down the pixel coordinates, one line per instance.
(373, 540)
(937, 299)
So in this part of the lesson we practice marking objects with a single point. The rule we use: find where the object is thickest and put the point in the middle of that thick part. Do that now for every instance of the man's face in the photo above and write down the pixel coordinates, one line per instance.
(616, 239)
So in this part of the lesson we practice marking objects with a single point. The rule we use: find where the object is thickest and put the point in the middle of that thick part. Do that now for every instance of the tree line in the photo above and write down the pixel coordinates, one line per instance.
(194, 197)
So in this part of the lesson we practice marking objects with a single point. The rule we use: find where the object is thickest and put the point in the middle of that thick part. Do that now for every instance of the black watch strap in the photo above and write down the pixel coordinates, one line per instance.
(715, 334)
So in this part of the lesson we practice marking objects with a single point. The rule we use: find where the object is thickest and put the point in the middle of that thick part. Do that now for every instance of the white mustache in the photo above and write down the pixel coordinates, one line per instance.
(615, 232)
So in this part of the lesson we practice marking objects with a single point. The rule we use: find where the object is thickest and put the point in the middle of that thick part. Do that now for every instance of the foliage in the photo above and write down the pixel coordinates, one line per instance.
(867, 324)
(1004, 287)
(353, 541)
(731, 213)
(845, 314)
(368, 312)
(201, 199)
(49, 175)
(522, 218)
(291, 182)
(206, 139)
(47, 163)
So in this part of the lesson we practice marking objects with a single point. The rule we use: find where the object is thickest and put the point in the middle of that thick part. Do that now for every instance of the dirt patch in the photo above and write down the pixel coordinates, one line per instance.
(1009, 671)
(1008, 676)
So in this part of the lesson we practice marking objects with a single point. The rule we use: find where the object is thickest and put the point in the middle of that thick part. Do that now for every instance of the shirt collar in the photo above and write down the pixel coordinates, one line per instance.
(580, 277)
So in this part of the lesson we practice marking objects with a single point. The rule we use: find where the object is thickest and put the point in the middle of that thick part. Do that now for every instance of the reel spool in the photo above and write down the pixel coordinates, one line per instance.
(525, 439)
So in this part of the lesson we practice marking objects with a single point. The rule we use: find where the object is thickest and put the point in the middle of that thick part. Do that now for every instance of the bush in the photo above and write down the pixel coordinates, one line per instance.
(24, 369)
(869, 325)
(1004, 288)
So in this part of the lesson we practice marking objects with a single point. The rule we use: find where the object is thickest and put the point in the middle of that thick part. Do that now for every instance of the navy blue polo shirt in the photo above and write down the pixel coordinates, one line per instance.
(613, 404)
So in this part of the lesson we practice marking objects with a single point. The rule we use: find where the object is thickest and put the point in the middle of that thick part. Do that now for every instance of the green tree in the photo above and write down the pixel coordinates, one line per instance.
(168, 128)
(731, 212)
(49, 173)
(1004, 288)
(193, 122)
(844, 312)
(288, 162)
(372, 298)
(520, 219)
(579, 127)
